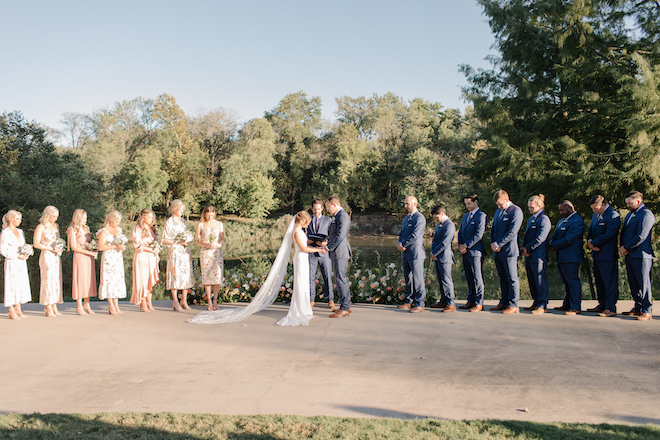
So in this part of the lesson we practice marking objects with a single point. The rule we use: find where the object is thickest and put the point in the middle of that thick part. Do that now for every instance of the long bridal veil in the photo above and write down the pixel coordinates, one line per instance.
(266, 295)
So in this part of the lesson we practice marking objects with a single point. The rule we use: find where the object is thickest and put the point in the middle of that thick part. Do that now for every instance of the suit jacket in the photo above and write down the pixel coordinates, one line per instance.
(338, 236)
(323, 229)
(636, 233)
(471, 233)
(567, 239)
(603, 234)
(536, 236)
(442, 238)
(411, 236)
(504, 232)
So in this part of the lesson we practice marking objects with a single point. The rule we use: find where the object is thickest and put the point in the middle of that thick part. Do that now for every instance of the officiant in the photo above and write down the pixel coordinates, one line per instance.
(317, 235)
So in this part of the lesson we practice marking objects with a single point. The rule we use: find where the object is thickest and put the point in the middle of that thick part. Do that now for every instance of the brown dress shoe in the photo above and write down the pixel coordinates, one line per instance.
(632, 312)
(350, 309)
(466, 306)
(596, 310)
(645, 317)
(416, 309)
(449, 309)
(538, 311)
(340, 314)
(511, 310)
(404, 306)
(439, 305)
(562, 308)
(312, 303)
(573, 312)
(498, 307)
(607, 313)
(530, 308)
(331, 304)
(477, 308)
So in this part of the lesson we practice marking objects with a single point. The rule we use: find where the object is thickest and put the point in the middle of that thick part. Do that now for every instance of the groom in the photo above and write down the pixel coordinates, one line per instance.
(340, 252)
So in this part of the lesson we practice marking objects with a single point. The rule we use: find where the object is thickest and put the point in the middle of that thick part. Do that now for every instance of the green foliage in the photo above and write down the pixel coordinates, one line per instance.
(142, 182)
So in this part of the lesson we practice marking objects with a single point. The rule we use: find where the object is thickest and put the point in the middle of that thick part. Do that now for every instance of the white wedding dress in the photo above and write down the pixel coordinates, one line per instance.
(300, 310)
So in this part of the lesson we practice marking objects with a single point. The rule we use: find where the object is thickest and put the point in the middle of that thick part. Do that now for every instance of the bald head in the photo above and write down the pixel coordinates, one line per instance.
(410, 204)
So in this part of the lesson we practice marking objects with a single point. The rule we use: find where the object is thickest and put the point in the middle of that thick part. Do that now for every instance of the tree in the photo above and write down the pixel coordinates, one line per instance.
(571, 107)
(142, 182)
(76, 129)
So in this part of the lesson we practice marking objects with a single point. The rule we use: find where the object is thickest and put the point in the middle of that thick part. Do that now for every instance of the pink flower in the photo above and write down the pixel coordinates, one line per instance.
(317, 281)
(389, 288)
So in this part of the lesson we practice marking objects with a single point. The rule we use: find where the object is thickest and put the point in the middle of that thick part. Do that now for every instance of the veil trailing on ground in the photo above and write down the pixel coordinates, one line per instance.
(266, 295)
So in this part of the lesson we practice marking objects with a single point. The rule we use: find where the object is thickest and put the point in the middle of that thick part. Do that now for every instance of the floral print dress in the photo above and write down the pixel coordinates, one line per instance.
(211, 260)
(179, 260)
(51, 272)
(113, 283)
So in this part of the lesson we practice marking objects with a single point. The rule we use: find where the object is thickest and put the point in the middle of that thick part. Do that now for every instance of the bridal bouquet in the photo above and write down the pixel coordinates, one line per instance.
(59, 245)
(185, 236)
(26, 249)
(155, 245)
(212, 237)
(120, 239)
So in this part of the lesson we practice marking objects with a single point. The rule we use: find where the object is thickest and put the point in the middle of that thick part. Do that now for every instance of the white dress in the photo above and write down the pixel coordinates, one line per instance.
(179, 260)
(113, 284)
(17, 282)
(300, 310)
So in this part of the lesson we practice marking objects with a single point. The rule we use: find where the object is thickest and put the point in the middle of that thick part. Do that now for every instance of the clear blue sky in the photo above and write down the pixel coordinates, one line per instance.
(60, 56)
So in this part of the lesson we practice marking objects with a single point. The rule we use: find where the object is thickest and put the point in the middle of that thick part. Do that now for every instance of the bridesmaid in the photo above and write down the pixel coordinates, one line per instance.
(46, 234)
(83, 283)
(17, 283)
(210, 236)
(145, 261)
(179, 261)
(112, 243)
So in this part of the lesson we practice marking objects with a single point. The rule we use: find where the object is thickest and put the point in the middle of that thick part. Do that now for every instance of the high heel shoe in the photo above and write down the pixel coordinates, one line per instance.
(184, 306)
(112, 311)
(177, 308)
(89, 310)
(81, 311)
(12, 315)
(49, 313)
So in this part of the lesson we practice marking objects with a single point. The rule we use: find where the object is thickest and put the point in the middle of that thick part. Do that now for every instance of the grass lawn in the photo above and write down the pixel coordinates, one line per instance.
(175, 426)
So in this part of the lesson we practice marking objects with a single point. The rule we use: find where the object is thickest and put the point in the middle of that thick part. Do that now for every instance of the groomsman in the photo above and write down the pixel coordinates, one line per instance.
(340, 252)
(504, 243)
(535, 251)
(320, 225)
(471, 246)
(602, 239)
(566, 241)
(411, 246)
(636, 247)
(443, 257)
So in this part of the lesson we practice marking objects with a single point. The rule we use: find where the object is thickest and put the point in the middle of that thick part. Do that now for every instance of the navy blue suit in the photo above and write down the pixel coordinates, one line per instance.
(317, 260)
(441, 249)
(567, 241)
(636, 238)
(411, 237)
(504, 233)
(340, 252)
(471, 234)
(535, 241)
(603, 232)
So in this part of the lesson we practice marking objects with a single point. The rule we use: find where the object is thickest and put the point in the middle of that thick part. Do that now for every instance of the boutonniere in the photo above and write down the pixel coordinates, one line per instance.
(407, 219)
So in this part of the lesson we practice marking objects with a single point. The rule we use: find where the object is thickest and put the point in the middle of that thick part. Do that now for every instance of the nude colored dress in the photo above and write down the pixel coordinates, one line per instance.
(179, 258)
(113, 283)
(83, 283)
(145, 266)
(210, 260)
(50, 267)
(17, 282)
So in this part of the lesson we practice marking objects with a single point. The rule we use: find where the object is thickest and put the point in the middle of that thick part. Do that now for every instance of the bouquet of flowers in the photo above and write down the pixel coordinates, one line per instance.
(155, 245)
(185, 236)
(92, 246)
(212, 237)
(59, 245)
(26, 249)
(120, 239)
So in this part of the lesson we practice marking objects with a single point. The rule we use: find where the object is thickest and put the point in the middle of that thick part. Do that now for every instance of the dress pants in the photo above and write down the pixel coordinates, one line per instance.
(606, 275)
(413, 273)
(570, 276)
(537, 278)
(443, 272)
(339, 267)
(473, 268)
(639, 278)
(507, 270)
(325, 264)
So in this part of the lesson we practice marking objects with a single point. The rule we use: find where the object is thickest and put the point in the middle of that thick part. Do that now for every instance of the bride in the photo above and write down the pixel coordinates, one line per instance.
(300, 310)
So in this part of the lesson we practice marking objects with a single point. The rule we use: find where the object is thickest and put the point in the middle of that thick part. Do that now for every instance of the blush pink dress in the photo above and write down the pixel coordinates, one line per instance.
(83, 284)
(145, 265)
